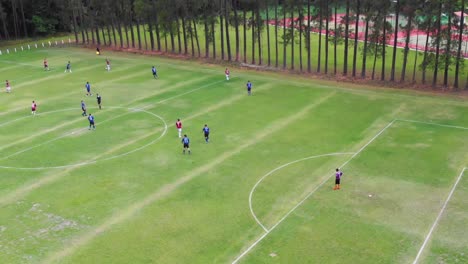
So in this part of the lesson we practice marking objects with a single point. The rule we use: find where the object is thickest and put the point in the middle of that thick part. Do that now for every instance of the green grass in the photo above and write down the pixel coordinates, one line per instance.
(138, 199)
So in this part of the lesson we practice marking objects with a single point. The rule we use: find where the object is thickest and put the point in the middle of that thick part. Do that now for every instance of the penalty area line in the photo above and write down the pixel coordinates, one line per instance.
(310, 194)
(439, 216)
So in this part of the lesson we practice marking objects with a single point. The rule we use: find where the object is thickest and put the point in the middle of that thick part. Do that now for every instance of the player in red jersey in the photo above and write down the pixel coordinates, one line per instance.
(7, 86)
(46, 64)
(227, 74)
(178, 125)
(108, 64)
(33, 107)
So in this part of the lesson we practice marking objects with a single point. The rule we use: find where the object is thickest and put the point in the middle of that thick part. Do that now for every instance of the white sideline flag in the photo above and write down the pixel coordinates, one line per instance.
(29, 47)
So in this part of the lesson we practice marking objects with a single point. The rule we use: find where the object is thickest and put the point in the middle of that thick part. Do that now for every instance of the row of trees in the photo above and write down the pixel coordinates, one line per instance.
(236, 30)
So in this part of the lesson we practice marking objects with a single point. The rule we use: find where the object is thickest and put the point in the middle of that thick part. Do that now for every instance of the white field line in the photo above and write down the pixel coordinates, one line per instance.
(431, 123)
(46, 180)
(278, 168)
(71, 133)
(434, 225)
(132, 209)
(85, 163)
(124, 77)
(307, 197)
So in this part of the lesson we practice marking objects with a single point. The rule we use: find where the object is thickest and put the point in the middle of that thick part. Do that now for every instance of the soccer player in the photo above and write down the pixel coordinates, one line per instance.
(338, 175)
(7, 86)
(206, 131)
(186, 142)
(33, 108)
(83, 108)
(108, 67)
(155, 73)
(68, 68)
(46, 64)
(227, 74)
(98, 97)
(249, 88)
(178, 125)
(88, 89)
(91, 122)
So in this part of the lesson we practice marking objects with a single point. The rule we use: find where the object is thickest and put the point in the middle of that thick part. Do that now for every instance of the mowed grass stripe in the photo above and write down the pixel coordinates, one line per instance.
(24, 190)
(167, 189)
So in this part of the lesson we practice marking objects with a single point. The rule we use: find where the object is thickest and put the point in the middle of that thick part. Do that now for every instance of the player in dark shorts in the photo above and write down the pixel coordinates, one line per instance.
(83, 108)
(338, 175)
(155, 73)
(249, 88)
(91, 122)
(206, 131)
(186, 142)
(98, 98)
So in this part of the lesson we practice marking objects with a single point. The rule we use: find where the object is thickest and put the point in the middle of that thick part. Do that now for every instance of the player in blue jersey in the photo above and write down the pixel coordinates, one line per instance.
(68, 67)
(155, 73)
(186, 143)
(91, 122)
(83, 108)
(206, 131)
(249, 88)
(88, 89)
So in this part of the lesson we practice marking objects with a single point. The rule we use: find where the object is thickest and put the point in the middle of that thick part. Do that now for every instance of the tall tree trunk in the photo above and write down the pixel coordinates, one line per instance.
(292, 37)
(364, 52)
(221, 28)
(151, 36)
(356, 35)
(346, 44)
(213, 37)
(228, 39)
(156, 26)
(171, 34)
(395, 41)
(406, 50)
(184, 35)
(179, 42)
(415, 59)
(103, 36)
(75, 25)
(196, 37)
(276, 34)
(375, 59)
(284, 34)
(191, 39)
(309, 42)
(327, 13)
(126, 33)
(132, 34)
(448, 48)
(236, 28)
(113, 32)
(437, 52)
(138, 33)
(267, 26)
(426, 49)
(23, 19)
(460, 42)
(98, 38)
(253, 36)
(15, 18)
(335, 38)
(384, 45)
(301, 17)
(259, 31)
(119, 30)
(245, 34)
(144, 35)
(109, 34)
(319, 55)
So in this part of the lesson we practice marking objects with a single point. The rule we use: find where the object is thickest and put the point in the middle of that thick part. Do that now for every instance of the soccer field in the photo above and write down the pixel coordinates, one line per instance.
(259, 192)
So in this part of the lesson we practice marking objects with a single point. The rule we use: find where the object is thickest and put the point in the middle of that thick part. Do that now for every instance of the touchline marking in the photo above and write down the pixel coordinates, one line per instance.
(310, 194)
(430, 123)
(279, 168)
(434, 225)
